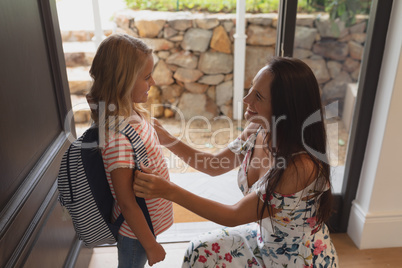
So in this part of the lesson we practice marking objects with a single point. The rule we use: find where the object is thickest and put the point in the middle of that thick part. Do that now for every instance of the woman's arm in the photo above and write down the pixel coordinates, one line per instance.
(122, 183)
(150, 185)
(211, 164)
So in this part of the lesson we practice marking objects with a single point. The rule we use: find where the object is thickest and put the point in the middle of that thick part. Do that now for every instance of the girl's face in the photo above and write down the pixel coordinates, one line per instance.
(258, 99)
(144, 81)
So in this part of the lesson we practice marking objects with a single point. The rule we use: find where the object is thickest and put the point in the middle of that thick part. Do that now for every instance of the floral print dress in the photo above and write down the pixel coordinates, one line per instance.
(292, 239)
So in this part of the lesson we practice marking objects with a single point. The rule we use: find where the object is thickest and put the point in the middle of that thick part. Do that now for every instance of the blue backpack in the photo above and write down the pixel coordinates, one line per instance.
(84, 190)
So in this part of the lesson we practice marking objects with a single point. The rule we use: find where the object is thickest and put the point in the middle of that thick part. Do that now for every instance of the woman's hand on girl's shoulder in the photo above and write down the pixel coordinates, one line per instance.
(148, 184)
(163, 135)
(249, 130)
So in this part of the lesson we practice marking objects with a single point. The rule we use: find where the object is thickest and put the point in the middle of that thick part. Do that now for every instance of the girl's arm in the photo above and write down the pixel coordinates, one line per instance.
(122, 183)
(149, 185)
(211, 164)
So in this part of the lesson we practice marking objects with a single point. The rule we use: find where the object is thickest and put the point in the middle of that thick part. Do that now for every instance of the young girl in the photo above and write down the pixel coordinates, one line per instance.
(284, 176)
(122, 74)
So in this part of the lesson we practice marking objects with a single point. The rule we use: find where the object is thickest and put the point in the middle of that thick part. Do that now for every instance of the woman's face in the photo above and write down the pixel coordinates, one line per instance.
(144, 81)
(258, 99)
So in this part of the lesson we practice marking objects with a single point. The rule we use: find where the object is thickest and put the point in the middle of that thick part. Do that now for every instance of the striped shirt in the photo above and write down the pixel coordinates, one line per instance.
(118, 153)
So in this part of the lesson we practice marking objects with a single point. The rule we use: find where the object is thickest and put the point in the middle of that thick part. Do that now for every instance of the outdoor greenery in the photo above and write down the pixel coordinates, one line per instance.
(343, 9)
(213, 6)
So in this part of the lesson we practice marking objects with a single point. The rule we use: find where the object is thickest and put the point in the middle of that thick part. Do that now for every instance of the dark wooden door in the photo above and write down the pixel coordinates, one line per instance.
(34, 102)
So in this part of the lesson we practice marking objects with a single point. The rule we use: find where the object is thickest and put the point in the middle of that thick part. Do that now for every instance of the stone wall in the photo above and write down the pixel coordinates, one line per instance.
(193, 56)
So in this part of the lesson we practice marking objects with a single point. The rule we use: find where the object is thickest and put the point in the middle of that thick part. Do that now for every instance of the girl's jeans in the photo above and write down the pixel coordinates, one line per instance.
(131, 253)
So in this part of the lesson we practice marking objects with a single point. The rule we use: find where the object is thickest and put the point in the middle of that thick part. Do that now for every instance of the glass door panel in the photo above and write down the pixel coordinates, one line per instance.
(330, 37)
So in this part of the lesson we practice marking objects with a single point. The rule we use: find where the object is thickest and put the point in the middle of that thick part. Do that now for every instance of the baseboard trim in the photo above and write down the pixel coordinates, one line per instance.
(375, 230)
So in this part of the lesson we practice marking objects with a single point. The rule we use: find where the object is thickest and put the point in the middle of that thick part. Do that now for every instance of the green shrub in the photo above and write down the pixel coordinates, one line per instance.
(343, 9)
(213, 6)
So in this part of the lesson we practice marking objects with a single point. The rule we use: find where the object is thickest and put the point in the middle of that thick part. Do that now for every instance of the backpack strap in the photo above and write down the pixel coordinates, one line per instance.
(69, 176)
(94, 170)
(140, 155)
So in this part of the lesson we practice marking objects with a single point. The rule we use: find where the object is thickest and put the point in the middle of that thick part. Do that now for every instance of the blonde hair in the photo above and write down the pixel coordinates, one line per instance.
(119, 60)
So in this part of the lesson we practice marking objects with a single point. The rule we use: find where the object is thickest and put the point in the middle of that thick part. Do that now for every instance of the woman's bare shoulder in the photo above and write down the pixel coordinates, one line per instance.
(298, 174)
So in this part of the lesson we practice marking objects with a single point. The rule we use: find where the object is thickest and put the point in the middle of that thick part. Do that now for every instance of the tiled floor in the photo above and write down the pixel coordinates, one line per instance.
(106, 257)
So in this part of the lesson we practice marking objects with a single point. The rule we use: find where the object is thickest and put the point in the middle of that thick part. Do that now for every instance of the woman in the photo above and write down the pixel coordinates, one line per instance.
(284, 176)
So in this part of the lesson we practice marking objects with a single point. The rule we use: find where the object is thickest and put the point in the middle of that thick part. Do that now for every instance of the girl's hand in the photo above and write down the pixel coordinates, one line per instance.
(156, 254)
(148, 184)
(164, 136)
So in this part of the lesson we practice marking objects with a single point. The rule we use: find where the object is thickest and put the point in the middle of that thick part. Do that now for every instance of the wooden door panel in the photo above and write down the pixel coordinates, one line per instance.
(28, 98)
(34, 100)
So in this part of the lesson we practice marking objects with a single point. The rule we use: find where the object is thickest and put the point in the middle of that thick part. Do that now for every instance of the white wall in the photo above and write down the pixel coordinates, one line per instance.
(376, 215)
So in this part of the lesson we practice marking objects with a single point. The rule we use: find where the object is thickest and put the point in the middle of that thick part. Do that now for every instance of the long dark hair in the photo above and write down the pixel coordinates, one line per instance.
(295, 95)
